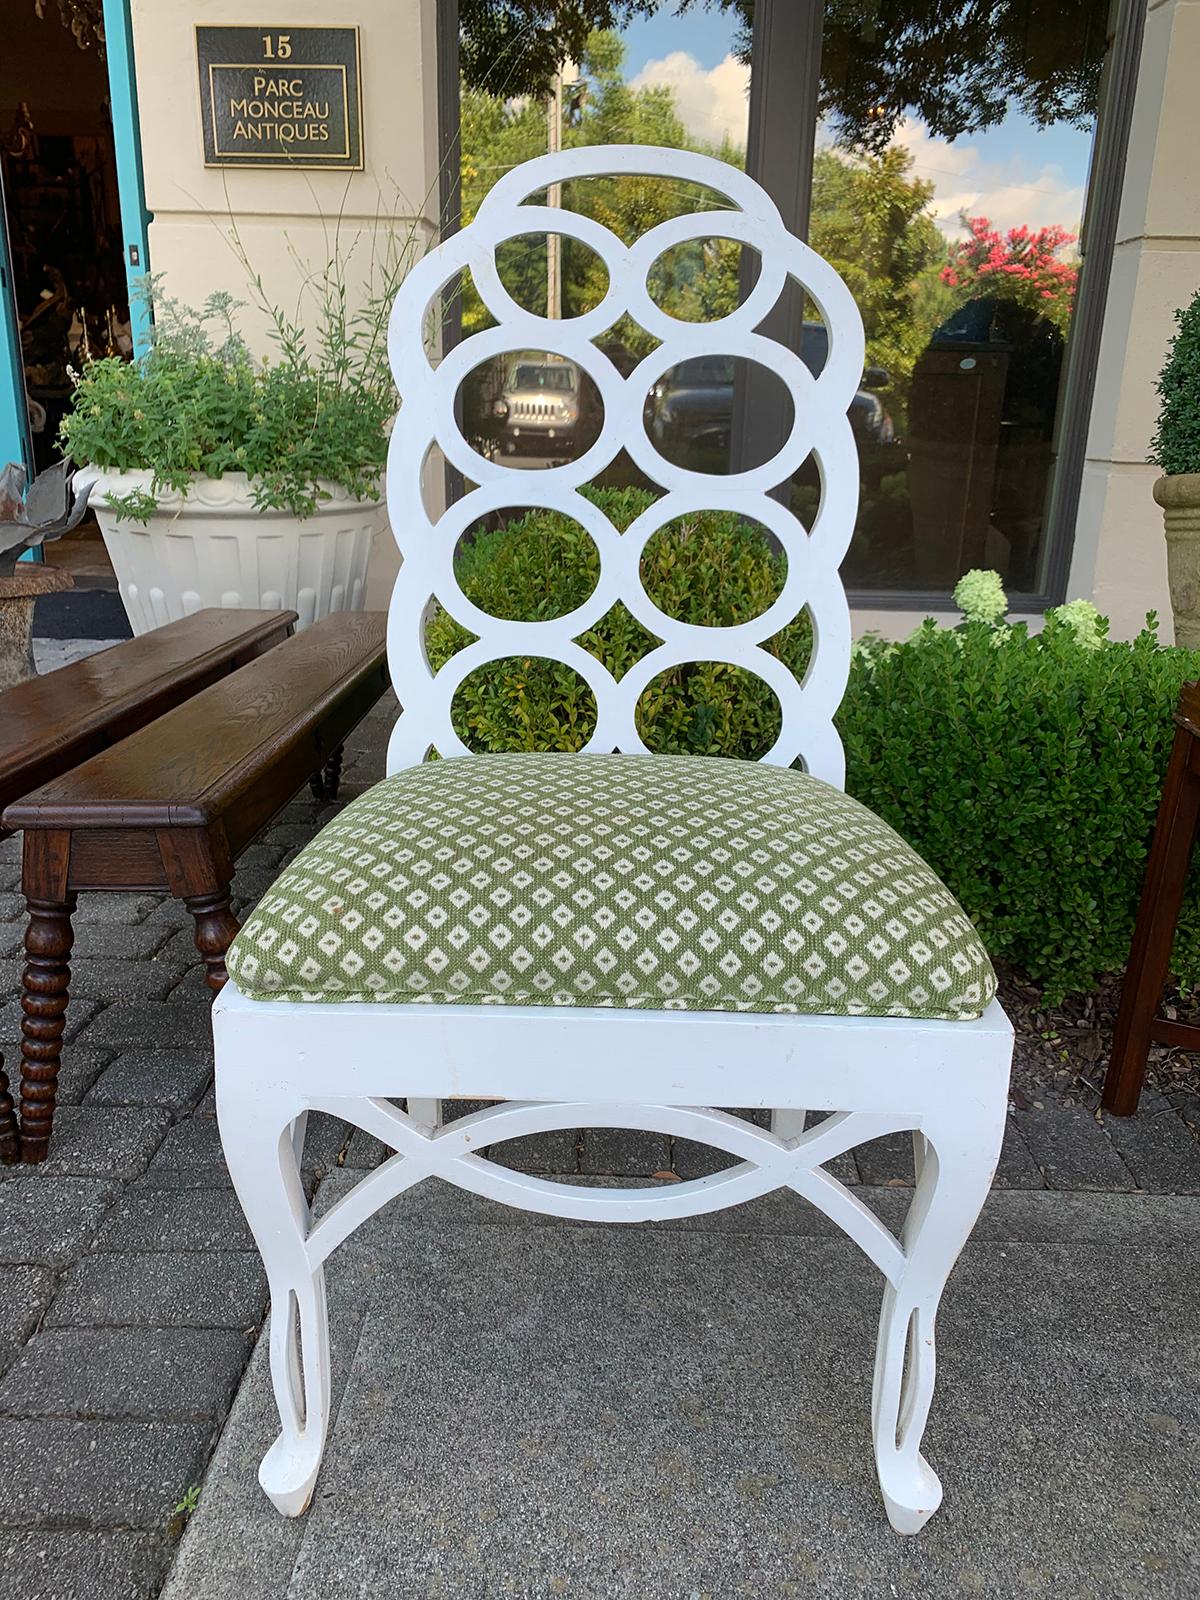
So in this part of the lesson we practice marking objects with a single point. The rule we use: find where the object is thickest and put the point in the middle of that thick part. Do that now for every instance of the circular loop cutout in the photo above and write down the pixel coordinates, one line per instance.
(690, 408)
(523, 702)
(708, 708)
(699, 280)
(522, 266)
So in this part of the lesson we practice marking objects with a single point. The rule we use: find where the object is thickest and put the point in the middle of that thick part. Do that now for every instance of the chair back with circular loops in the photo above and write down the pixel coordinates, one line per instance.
(820, 428)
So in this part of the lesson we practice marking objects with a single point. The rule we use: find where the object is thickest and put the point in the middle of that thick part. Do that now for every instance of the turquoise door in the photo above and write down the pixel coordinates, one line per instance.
(14, 416)
(14, 419)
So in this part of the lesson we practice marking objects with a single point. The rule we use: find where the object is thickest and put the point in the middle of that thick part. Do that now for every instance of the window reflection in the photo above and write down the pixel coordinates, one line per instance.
(949, 182)
(664, 79)
(950, 168)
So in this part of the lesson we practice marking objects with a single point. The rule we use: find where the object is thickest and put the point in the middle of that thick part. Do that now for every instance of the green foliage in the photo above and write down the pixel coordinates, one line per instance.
(957, 69)
(1176, 443)
(870, 219)
(871, 222)
(1025, 768)
(712, 569)
(512, 48)
(498, 134)
(200, 403)
(191, 1499)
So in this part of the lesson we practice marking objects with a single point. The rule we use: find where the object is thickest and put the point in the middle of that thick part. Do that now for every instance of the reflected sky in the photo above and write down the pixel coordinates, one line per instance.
(1014, 173)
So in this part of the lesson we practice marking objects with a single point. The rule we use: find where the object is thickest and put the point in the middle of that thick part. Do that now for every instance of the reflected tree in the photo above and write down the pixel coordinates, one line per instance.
(958, 66)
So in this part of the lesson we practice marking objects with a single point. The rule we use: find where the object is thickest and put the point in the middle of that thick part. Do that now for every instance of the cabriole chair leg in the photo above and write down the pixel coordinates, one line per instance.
(954, 1173)
(263, 1137)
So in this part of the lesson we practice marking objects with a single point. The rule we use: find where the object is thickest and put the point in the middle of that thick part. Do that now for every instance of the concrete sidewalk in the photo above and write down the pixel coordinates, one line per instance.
(526, 1407)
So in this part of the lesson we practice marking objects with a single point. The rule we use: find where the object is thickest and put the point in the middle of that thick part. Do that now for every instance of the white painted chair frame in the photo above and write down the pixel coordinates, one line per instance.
(659, 1071)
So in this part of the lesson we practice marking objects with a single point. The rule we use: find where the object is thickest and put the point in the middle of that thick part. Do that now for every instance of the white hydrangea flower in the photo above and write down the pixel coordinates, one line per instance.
(1085, 622)
(980, 596)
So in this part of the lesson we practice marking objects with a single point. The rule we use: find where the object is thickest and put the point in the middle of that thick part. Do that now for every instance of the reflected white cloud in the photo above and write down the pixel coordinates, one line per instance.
(1011, 188)
(1010, 191)
(713, 103)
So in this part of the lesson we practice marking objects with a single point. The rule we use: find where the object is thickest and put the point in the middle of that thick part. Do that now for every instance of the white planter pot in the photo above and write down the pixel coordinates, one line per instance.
(212, 547)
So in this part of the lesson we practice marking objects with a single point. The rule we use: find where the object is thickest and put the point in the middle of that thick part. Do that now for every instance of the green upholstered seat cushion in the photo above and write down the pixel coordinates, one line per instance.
(659, 882)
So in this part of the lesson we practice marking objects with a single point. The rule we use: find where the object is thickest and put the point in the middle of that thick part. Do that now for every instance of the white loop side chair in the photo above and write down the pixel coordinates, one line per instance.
(420, 949)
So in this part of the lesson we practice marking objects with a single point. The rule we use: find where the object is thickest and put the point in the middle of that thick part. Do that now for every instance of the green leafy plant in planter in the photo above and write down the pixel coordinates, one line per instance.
(200, 405)
(1175, 448)
(220, 478)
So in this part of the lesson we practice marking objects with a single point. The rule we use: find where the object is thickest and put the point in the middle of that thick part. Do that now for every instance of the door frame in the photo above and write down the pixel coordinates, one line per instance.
(15, 442)
(127, 149)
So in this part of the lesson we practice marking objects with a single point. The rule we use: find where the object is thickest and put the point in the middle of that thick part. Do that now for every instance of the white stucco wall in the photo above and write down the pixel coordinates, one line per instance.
(1120, 556)
(289, 222)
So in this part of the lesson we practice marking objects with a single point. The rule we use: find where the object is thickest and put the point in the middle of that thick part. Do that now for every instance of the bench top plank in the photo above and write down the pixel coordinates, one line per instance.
(188, 767)
(53, 722)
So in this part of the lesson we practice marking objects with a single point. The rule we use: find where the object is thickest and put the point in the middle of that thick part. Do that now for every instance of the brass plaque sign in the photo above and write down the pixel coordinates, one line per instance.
(280, 96)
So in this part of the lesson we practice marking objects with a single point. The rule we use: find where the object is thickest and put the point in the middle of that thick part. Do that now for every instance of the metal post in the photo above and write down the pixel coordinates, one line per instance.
(127, 143)
(554, 198)
(784, 80)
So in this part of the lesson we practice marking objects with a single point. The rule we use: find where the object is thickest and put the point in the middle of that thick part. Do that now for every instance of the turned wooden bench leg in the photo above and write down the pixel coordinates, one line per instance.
(1154, 934)
(333, 774)
(44, 998)
(45, 984)
(216, 928)
(10, 1139)
(199, 871)
(324, 784)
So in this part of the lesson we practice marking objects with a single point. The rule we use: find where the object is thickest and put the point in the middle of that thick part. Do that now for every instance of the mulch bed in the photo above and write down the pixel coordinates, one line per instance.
(1062, 1051)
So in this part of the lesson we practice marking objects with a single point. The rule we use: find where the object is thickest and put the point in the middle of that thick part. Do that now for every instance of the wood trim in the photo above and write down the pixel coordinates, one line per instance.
(115, 858)
(1183, 1035)
(1167, 869)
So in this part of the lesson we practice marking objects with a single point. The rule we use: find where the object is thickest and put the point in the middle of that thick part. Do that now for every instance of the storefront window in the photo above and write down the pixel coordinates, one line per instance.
(661, 80)
(950, 175)
(946, 178)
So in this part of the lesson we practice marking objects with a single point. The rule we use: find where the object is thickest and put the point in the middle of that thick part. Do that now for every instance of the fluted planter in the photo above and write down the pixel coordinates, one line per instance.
(212, 547)
(1178, 494)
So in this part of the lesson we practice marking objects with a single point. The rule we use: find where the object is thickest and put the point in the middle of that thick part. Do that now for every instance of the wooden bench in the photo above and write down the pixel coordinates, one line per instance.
(52, 723)
(171, 808)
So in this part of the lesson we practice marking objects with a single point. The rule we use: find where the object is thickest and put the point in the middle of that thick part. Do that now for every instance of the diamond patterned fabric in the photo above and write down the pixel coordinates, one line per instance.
(657, 882)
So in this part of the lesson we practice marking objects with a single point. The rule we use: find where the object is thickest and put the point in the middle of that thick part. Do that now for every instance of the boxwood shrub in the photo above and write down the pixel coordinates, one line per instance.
(715, 569)
(1026, 768)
